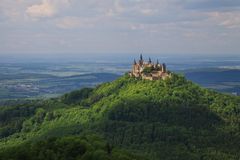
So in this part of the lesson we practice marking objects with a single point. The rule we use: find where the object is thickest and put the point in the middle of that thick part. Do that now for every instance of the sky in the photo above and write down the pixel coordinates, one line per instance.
(59, 27)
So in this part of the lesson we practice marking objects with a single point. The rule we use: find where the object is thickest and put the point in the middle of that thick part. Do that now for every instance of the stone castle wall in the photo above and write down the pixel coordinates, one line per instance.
(149, 70)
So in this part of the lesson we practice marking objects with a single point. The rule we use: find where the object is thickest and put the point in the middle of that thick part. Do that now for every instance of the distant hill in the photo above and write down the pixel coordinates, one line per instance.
(37, 85)
(133, 119)
(224, 80)
(213, 75)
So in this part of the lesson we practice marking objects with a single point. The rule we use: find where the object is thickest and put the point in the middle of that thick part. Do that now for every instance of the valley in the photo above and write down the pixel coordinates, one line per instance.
(46, 80)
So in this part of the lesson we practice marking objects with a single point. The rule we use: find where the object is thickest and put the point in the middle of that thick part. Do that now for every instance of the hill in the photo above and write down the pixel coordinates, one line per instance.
(141, 119)
(224, 80)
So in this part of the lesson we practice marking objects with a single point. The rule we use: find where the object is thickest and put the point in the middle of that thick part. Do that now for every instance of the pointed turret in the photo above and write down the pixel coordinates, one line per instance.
(157, 65)
(141, 60)
(149, 61)
(134, 62)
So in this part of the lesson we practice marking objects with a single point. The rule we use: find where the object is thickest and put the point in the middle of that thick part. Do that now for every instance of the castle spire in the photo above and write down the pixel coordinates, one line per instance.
(164, 68)
(149, 61)
(157, 62)
(134, 62)
(141, 60)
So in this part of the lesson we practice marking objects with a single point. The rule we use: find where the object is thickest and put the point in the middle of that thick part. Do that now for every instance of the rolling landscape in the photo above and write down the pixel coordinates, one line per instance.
(71, 113)
(51, 79)
(119, 80)
(125, 119)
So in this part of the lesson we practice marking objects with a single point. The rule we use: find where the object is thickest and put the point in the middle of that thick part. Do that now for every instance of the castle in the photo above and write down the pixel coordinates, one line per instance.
(149, 70)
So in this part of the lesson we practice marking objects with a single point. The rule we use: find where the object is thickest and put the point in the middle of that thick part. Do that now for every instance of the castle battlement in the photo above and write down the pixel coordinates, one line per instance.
(149, 70)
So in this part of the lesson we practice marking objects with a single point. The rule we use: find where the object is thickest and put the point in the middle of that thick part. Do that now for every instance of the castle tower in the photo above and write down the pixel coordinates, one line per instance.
(164, 68)
(141, 60)
(134, 65)
(149, 61)
(157, 64)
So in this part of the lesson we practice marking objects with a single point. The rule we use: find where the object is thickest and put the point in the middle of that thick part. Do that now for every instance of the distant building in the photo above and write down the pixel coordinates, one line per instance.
(149, 70)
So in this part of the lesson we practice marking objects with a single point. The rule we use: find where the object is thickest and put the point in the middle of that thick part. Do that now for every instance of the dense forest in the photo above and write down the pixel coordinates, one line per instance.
(128, 118)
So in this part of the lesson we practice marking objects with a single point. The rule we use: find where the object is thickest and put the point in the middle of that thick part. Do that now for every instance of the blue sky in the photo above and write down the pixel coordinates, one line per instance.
(196, 27)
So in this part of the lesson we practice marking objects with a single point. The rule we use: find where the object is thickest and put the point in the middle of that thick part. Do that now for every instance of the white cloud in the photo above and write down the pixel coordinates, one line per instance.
(11, 9)
(47, 8)
(74, 22)
(160, 22)
(229, 20)
(148, 12)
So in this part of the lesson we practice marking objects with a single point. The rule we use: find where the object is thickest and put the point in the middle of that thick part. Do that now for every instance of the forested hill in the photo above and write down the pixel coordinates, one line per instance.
(171, 119)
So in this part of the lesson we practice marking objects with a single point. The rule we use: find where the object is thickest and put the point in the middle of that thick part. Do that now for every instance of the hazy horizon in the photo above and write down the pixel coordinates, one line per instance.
(119, 57)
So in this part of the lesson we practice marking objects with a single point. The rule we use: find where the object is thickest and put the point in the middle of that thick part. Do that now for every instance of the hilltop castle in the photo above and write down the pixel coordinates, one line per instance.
(149, 70)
